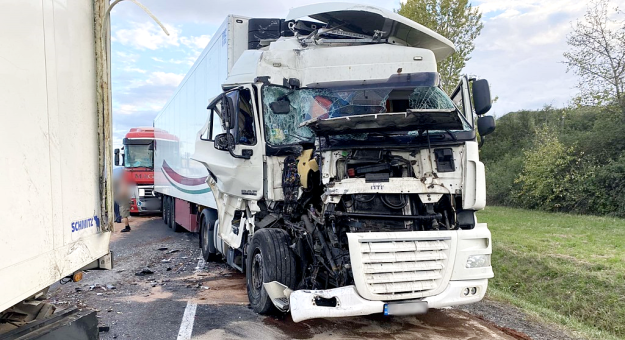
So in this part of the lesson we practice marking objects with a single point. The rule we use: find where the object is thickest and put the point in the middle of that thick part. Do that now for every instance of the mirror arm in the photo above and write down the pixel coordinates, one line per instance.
(237, 156)
(482, 140)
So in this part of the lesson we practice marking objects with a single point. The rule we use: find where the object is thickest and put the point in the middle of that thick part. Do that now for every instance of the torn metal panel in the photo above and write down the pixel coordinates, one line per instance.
(373, 21)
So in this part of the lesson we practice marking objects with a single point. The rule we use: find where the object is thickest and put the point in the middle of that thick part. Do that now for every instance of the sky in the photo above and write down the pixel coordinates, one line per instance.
(519, 50)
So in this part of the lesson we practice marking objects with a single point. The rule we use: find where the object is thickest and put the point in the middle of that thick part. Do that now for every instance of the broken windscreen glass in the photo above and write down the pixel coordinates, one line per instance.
(307, 105)
(284, 128)
(429, 98)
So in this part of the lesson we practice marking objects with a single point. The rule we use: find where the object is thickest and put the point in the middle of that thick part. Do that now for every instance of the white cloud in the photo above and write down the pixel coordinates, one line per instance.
(196, 42)
(165, 79)
(147, 35)
(134, 69)
(127, 109)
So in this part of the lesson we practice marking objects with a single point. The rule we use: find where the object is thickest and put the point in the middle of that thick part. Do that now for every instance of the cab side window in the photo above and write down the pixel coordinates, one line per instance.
(214, 125)
(246, 129)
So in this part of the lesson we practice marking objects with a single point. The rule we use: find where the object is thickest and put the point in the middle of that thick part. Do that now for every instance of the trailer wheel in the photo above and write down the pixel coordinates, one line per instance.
(207, 239)
(167, 212)
(269, 259)
(172, 216)
(163, 213)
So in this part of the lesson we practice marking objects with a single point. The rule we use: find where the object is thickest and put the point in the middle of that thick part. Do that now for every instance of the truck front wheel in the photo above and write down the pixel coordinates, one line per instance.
(269, 259)
(207, 237)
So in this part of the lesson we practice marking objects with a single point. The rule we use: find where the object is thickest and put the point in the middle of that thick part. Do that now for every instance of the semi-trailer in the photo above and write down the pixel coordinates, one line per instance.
(56, 210)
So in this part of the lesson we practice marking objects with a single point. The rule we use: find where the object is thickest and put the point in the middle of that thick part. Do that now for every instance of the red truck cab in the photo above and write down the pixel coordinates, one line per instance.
(138, 162)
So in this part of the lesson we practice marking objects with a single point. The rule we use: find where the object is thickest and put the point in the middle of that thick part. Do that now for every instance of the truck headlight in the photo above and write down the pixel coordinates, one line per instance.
(476, 261)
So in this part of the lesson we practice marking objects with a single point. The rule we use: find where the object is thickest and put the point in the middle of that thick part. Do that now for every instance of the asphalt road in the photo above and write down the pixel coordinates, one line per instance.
(184, 298)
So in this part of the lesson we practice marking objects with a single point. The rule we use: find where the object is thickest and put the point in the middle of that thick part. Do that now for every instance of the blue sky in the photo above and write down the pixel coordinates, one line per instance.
(519, 51)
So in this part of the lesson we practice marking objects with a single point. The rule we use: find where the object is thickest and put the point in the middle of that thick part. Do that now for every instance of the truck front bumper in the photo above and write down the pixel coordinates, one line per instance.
(345, 301)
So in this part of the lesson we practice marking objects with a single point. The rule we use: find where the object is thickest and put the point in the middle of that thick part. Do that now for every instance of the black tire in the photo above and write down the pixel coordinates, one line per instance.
(269, 259)
(163, 214)
(207, 237)
(172, 216)
(167, 211)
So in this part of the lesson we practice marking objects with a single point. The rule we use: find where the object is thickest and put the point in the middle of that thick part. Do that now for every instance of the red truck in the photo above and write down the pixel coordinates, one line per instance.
(137, 158)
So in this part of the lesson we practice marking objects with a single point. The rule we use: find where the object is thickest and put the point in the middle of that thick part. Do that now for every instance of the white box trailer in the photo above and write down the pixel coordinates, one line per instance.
(55, 146)
(327, 164)
(176, 174)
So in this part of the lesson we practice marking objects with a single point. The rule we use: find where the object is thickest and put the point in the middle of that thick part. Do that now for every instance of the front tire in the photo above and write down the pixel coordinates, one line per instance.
(269, 259)
(207, 237)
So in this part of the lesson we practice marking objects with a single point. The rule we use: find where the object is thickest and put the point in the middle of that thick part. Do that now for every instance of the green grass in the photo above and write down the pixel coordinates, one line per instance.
(568, 269)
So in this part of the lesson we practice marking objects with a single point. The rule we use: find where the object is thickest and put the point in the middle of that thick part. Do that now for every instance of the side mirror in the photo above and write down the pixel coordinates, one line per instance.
(221, 142)
(116, 157)
(485, 125)
(281, 107)
(481, 96)
(232, 108)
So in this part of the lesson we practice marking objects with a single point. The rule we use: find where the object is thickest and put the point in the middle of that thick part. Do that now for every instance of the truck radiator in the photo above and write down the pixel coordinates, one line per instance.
(401, 269)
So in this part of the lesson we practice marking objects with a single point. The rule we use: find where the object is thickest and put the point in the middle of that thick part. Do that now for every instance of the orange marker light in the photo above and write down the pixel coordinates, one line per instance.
(77, 276)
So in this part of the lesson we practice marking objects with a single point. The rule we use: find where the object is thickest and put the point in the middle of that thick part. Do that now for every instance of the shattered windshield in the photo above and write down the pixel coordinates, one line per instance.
(313, 104)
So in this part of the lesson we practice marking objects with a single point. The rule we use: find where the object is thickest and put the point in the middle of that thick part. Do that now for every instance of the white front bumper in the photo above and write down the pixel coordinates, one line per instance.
(349, 303)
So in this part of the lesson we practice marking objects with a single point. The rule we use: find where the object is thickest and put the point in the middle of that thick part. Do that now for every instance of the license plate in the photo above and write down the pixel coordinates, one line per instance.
(406, 308)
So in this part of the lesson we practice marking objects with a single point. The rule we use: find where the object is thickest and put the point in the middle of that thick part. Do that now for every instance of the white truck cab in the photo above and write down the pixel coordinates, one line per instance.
(343, 180)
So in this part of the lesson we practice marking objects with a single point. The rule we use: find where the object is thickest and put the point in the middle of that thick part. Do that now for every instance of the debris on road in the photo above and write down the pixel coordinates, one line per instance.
(162, 248)
(144, 272)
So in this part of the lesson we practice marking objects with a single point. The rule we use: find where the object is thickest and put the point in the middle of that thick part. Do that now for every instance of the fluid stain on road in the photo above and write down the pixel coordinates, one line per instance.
(435, 325)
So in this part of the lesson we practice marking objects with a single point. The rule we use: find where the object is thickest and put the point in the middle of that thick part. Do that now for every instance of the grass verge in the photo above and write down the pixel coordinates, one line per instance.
(568, 269)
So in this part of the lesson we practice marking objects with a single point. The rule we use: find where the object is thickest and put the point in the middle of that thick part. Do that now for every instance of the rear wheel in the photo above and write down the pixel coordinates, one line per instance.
(269, 259)
(167, 212)
(163, 214)
(172, 216)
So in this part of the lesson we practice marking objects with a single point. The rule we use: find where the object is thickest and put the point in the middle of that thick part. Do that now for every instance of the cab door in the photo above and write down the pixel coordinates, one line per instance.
(236, 169)
(462, 98)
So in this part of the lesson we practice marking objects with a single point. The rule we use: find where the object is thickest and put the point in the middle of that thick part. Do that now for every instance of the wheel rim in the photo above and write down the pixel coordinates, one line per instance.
(257, 271)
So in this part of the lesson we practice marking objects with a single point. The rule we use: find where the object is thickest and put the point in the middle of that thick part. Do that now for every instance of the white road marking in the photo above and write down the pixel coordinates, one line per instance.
(186, 327)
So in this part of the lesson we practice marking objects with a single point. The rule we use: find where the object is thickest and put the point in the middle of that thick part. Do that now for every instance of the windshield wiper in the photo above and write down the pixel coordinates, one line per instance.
(302, 138)
(455, 139)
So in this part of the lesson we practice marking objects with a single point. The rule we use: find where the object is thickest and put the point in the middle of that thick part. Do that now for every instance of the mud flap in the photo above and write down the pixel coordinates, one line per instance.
(279, 295)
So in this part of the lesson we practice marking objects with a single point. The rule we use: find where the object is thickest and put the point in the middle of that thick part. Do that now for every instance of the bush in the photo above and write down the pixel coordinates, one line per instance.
(570, 160)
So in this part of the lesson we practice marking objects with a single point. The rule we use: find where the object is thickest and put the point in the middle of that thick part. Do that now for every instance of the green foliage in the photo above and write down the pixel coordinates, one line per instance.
(549, 169)
(570, 160)
(456, 20)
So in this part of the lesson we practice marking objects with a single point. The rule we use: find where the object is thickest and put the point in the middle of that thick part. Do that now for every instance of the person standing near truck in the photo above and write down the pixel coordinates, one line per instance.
(122, 198)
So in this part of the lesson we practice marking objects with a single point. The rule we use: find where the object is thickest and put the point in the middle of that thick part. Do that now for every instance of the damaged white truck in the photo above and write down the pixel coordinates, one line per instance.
(330, 166)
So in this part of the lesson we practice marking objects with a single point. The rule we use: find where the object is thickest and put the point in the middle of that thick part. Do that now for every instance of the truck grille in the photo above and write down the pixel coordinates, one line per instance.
(402, 269)
(146, 191)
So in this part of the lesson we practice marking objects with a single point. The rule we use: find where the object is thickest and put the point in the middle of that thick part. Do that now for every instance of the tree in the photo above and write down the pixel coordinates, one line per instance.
(457, 21)
(597, 56)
